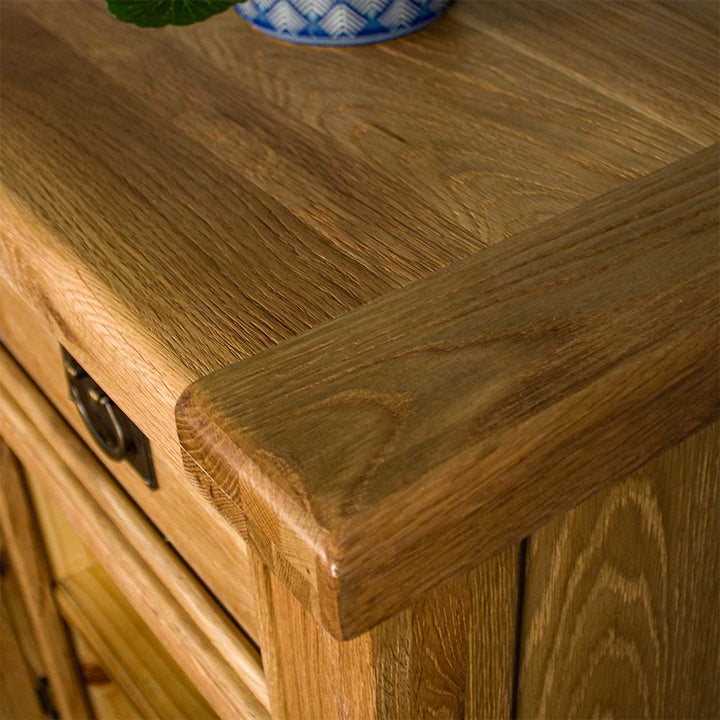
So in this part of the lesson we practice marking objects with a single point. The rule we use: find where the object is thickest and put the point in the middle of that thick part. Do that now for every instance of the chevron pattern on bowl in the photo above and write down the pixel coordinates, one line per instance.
(340, 22)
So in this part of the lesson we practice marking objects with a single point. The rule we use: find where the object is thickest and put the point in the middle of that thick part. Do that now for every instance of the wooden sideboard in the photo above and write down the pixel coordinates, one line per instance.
(365, 383)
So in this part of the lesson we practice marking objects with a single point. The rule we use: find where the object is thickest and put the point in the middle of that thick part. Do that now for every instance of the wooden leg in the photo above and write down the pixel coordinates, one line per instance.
(27, 556)
(450, 655)
(622, 597)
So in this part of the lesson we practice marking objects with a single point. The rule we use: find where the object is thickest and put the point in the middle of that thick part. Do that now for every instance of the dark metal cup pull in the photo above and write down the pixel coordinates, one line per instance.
(116, 435)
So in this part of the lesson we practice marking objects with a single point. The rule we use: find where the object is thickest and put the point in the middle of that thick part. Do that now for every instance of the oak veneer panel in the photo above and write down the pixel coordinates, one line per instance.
(638, 53)
(66, 552)
(90, 603)
(127, 648)
(30, 565)
(449, 655)
(18, 615)
(20, 662)
(108, 701)
(622, 596)
(216, 554)
(374, 457)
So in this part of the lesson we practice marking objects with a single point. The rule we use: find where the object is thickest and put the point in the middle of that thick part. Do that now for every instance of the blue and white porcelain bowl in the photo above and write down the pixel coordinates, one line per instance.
(340, 22)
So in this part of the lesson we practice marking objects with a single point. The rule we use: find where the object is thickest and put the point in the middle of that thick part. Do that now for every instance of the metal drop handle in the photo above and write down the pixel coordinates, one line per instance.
(112, 443)
(115, 434)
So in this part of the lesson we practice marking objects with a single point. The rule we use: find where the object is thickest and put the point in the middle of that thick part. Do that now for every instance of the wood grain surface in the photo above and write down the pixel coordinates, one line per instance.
(213, 653)
(450, 655)
(17, 683)
(622, 596)
(27, 555)
(20, 663)
(68, 555)
(702, 13)
(108, 701)
(638, 53)
(127, 648)
(92, 604)
(381, 454)
(169, 214)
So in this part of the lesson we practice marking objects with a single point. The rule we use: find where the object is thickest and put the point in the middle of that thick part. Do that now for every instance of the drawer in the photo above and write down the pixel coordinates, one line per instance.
(217, 658)
(215, 551)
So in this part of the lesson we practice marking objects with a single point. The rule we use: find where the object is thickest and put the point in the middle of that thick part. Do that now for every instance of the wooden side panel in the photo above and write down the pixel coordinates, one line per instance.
(450, 655)
(27, 555)
(622, 597)
(66, 552)
(153, 686)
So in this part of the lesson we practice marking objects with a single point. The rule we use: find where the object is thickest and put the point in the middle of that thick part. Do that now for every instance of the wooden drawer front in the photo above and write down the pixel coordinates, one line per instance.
(216, 657)
(188, 521)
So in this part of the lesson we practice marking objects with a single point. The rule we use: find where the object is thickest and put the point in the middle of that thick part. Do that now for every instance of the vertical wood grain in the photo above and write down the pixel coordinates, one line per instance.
(17, 693)
(622, 597)
(20, 664)
(450, 655)
(27, 555)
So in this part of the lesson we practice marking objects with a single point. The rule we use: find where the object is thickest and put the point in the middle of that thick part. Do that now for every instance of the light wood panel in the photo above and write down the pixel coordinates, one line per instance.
(127, 649)
(215, 553)
(90, 602)
(211, 652)
(18, 616)
(622, 597)
(27, 555)
(108, 701)
(450, 655)
(376, 456)
(66, 552)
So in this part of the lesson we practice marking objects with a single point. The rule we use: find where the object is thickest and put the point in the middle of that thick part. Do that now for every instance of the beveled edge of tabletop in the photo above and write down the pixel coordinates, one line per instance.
(372, 458)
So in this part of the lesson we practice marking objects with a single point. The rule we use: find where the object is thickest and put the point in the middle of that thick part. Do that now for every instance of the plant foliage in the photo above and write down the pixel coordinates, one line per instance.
(157, 13)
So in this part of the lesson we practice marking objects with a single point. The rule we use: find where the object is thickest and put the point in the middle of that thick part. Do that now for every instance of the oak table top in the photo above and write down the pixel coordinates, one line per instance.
(181, 200)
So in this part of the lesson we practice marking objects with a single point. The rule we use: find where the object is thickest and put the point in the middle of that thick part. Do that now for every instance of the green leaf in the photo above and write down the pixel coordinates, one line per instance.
(157, 13)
